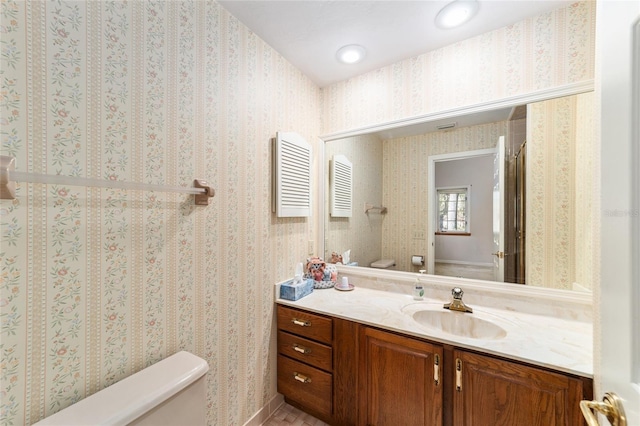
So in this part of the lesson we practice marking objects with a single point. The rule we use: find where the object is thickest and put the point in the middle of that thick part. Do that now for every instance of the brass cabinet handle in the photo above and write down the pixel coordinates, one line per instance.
(301, 323)
(458, 374)
(436, 369)
(296, 347)
(611, 407)
(301, 378)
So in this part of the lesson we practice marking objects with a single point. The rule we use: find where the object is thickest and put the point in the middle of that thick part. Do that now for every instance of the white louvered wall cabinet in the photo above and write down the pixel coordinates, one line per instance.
(292, 175)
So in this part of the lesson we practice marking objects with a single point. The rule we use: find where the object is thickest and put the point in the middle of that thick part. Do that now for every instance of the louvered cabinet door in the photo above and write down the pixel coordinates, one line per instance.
(341, 179)
(292, 159)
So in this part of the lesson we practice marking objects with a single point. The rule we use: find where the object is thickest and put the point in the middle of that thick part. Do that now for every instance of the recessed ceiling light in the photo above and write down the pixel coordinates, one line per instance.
(350, 54)
(456, 13)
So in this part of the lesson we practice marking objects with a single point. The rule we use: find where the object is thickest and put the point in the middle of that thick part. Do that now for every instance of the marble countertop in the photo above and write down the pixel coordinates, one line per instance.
(558, 343)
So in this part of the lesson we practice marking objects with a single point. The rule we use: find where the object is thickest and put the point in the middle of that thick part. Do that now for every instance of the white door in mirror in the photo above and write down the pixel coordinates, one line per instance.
(498, 211)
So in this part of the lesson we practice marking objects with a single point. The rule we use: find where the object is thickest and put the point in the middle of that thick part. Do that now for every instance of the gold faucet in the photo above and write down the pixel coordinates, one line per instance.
(457, 304)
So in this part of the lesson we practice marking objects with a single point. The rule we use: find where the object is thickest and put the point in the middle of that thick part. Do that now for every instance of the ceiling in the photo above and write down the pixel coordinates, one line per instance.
(445, 124)
(308, 33)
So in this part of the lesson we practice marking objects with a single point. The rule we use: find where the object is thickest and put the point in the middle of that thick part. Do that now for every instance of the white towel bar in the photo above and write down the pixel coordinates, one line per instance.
(9, 176)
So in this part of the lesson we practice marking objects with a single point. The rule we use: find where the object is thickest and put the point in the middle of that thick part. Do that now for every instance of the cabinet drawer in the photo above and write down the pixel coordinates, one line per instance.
(305, 385)
(304, 350)
(305, 324)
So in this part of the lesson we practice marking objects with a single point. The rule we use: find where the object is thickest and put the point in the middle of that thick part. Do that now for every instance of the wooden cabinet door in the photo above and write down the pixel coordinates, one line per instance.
(494, 392)
(345, 372)
(397, 380)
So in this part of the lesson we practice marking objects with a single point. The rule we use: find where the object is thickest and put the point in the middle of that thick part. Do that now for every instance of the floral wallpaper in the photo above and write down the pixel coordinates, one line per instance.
(560, 157)
(587, 194)
(97, 283)
(548, 50)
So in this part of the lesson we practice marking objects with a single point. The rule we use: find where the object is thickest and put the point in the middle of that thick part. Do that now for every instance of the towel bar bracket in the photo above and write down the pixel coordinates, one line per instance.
(203, 199)
(368, 207)
(7, 187)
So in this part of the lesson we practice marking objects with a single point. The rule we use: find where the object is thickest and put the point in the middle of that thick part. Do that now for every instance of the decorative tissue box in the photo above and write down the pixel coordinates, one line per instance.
(289, 291)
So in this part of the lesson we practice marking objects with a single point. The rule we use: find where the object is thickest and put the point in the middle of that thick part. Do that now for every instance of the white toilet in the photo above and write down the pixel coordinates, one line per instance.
(170, 392)
(384, 264)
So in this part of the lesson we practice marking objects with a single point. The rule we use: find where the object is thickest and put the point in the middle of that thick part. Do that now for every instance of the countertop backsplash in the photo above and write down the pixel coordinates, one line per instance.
(552, 329)
(563, 304)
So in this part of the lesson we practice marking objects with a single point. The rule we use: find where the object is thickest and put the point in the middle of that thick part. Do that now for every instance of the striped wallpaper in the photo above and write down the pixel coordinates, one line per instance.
(99, 283)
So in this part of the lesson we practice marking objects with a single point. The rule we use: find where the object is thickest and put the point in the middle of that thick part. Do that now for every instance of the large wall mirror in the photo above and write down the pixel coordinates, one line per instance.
(446, 196)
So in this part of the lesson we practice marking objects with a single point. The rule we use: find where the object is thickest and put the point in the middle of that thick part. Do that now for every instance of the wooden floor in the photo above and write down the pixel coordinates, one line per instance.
(465, 271)
(288, 415)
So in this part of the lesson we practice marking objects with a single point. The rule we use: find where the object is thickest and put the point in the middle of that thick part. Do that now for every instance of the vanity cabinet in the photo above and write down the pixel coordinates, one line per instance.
(313, 374)
(400, 380)
(491, 391)
(346, 373)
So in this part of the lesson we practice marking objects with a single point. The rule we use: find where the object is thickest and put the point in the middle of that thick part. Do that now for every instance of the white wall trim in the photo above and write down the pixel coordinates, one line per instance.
(263, 414)
(318, 246)
(510, 101)
(431, 191)
(539, 293)
(464, 262)
(579, 287)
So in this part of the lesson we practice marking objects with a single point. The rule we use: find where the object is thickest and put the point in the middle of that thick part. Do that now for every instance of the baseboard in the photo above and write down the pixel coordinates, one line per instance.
(462, 262)
(265, 412)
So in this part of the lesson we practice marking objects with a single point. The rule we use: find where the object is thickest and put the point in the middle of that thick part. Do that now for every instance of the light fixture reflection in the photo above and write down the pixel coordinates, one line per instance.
(350, 54)
(456, 13)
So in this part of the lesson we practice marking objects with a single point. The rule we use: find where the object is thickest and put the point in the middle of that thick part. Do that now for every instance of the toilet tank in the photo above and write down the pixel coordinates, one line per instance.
(169, 392)
(383, 263)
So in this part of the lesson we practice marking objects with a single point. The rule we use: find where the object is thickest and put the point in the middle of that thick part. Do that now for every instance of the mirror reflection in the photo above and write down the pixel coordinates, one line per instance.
(529, 224)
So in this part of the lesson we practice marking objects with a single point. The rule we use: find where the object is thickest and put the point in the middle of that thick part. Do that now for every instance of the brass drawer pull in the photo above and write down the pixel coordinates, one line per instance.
(301, 349)
(436, 369)
(301, 378)
(458, 375)
(301, 323)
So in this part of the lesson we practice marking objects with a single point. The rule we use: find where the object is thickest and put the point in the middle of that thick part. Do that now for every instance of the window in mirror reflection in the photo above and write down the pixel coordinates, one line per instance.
(453, 208)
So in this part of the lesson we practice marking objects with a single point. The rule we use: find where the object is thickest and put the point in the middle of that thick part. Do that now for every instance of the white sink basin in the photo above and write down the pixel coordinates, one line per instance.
(459, 324)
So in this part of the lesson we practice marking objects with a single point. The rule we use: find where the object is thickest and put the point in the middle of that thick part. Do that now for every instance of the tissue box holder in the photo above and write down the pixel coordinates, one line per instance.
(288, 291)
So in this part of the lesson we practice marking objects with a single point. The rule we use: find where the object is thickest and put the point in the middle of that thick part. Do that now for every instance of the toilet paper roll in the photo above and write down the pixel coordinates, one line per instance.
(417, 260)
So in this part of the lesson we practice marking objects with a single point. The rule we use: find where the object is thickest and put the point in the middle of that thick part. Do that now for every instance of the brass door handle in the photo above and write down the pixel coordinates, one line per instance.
(611, 407)
(500, 254)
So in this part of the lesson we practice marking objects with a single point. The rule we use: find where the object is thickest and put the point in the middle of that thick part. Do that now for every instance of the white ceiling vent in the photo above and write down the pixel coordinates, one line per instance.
(341, 186)
(292, 176)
